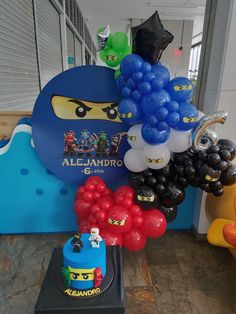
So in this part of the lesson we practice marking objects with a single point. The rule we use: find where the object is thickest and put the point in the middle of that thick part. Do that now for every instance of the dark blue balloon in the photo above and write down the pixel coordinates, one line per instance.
(146, 67)
(153, 136)
(154, 100)
(131, 84)
(130, 64)
(162, 113)
(172, 106)
(144, 88)
(130, 111)
(188, 116)
(180, 89)
(152, 120)
(137, 76)
(162, 73)
(162, 126)
(148, 77)
(136, 95)
(173, 119)
(157, 84)
(126, 92)
(120, 82)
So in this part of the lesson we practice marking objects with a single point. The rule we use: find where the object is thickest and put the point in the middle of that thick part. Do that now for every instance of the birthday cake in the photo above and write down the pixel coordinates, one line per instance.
(84, 260)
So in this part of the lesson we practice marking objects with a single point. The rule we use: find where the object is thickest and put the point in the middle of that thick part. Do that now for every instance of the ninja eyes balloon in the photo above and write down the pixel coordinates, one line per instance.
(129, 111)
(145, 197)
(134, 137)
(188, 117)
(156, 156)
(180, 89)
(208, 174)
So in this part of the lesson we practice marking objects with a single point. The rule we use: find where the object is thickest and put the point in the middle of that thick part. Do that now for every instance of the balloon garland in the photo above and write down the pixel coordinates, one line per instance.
(119, 219)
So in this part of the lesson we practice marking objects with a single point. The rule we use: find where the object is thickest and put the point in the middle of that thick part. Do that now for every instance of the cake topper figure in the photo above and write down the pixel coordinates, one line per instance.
(95, 238)
(98, 276)
(76, 242)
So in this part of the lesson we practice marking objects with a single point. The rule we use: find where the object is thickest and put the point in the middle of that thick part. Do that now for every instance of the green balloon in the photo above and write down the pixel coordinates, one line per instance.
(102, 55)
(117, 72)
(120, 41)
(113, 58)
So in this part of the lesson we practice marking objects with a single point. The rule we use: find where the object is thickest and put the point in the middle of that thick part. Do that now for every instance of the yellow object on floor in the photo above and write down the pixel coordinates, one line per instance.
(215, 233)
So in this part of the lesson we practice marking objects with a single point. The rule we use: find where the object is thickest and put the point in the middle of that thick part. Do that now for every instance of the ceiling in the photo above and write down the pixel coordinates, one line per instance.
(117, 13)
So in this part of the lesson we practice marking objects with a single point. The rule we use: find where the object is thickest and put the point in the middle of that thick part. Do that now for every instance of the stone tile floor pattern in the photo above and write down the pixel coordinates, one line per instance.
(174, 274)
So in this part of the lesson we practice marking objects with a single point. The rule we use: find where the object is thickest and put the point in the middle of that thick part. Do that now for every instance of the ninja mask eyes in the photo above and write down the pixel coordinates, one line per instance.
(111, 112)
(82, 109)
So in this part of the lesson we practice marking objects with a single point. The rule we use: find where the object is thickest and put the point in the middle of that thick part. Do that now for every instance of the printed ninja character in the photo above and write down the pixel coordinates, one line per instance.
(70, 143)
(102, 145)
(98, 277)
(76, 243)
(95, 238)
(85, 143)
(115, 143)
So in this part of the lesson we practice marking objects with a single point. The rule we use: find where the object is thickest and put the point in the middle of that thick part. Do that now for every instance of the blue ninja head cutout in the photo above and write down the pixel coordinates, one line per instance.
(180, 89)
(188, 117)
(76, 127)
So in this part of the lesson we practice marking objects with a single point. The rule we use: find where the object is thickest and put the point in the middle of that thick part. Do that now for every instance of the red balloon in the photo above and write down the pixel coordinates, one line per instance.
(137, 221)
(100, 215)
(84, 226)
(95, 180)
(82, 208)
(89, 186)
(134, 240)
(111, 238)
(127, 202)
(125, 191)
(96, 195)
(118, 199)
(101, 187)
(94, 208)
(154, 223)
(135, 210)
(105, 202)
(91, 219)
(88, 196)
(119, 219)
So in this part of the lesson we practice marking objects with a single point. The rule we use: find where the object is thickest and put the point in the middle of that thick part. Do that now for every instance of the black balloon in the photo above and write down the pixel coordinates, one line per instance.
(228, 177)
(173, 196)
(145, 197)
(225, 144)
(225, 154)
(208, 174)
(160, 188)
(182, 181)
(170, 213)
(213, 159)
(213, 149)
(150, 39)
(136, 179)
(151, 181)
(223, 165)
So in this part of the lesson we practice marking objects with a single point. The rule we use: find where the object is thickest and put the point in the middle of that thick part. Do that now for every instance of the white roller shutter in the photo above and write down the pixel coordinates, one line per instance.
(19, 83)
(78, 52)
(70, 47)
(49, 40)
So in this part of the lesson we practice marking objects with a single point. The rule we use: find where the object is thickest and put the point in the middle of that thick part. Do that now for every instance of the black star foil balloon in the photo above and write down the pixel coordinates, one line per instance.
(150, 39)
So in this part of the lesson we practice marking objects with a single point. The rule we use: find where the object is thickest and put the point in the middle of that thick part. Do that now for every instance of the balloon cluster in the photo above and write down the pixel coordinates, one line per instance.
(120, 220)
(113, 47)
(209, 169)
(161, 109)
(157, 188)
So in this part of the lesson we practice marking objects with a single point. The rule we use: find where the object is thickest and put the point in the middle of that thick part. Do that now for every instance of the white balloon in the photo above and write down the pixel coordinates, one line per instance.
(134, 137)
(133, 160)
(178, 141)
(156, 156)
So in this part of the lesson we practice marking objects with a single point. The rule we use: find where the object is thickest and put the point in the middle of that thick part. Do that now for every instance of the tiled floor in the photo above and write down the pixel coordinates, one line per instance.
(175, 274)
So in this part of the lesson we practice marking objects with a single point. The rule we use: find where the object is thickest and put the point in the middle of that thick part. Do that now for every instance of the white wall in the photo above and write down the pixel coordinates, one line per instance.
(197, 29)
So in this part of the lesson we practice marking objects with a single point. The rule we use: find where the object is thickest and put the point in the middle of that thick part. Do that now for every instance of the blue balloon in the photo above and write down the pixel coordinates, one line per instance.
(131, 84)
(152, 120)
(188, 116)
(153, 136)
(146, 67)
(136, 95)
(137, 76)
(172, 106)
(154, 100)
(162, 113)
(130, 64)
(162, 73)
(173, 119)
(148, 77)
(144, 88)
(120, 82)
(162, 126)
(180, 89)
(157, 84)
(129, 111)
(126, 92)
